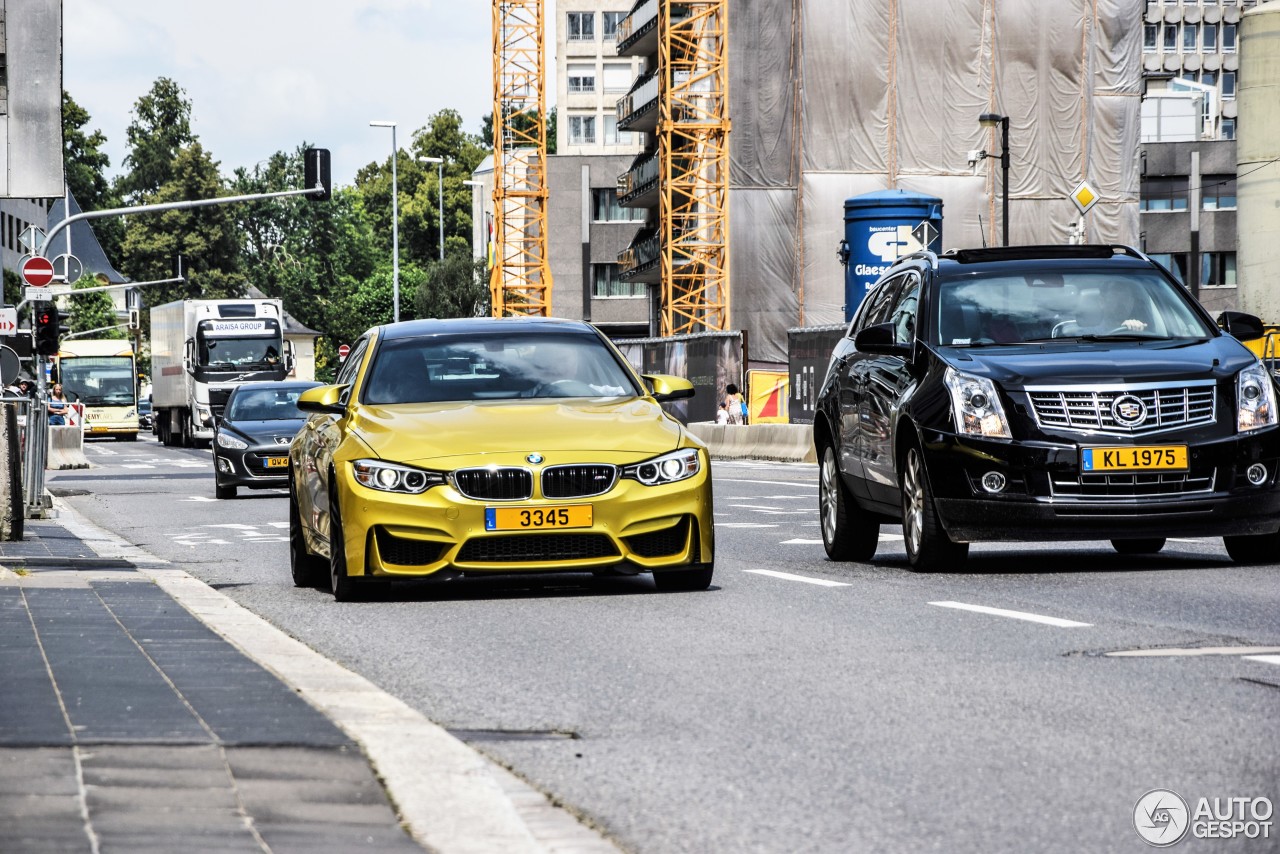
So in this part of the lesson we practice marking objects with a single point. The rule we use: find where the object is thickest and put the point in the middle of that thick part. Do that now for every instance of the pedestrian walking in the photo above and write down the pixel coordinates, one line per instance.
(722, 414)
(736, 404)
(58, 406)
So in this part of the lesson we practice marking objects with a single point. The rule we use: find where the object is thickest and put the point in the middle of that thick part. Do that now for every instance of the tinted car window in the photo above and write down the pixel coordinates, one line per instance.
(265, 405)
(878, 304)
(352, 364)
(978, 309)
(468, 368)
(905, 306)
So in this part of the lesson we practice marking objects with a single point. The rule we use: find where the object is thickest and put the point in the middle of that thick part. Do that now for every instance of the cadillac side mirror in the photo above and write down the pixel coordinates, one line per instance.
(1241, 326)
(879, 339)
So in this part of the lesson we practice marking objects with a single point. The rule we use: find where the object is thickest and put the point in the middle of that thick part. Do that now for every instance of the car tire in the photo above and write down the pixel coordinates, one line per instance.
(307, 569)
(683, 580)
(1145, 546)
(1251, 549)
(223, 492)
(929, 549)
(847, 532)
(340, 584)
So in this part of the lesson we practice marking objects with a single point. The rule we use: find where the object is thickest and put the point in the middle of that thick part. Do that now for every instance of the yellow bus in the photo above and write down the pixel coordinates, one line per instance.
(100, 374)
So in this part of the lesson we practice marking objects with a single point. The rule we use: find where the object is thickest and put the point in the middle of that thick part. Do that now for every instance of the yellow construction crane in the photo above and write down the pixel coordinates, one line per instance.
(520, 282)
(693, 158)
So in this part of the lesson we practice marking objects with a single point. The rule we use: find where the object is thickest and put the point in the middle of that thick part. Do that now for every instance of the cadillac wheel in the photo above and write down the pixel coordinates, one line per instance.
(848, 533)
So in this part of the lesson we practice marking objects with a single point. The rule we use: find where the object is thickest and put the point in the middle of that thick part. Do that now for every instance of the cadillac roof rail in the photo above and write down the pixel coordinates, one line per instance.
(1027, 253)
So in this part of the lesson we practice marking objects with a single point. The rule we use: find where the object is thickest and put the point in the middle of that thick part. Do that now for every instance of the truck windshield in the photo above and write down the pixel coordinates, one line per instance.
(238, 353)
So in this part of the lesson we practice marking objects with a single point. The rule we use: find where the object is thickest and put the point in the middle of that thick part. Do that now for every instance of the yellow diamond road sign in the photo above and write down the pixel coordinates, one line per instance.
(1084, 197)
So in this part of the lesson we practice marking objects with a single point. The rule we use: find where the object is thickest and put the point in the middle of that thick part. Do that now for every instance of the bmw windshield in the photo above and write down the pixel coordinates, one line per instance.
(979, 309)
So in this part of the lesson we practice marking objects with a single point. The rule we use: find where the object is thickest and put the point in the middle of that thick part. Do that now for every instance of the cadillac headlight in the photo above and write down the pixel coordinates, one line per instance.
(976, 406)
(390, 477)
(226, 440)
(1255, 399)
(668, 468)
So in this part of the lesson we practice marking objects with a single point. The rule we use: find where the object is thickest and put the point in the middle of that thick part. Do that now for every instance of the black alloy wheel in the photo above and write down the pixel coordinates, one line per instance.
(929, 549)
(848, 533)
(307, 569)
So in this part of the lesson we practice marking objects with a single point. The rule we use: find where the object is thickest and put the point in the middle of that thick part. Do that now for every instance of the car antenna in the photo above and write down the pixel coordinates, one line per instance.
(982, 228)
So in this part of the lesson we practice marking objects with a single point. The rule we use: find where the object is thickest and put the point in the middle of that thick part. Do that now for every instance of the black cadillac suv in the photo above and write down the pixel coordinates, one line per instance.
(1044, 393)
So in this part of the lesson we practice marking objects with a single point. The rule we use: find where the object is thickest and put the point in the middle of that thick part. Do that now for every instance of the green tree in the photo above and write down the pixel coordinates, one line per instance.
(207, 238)
(161, 127)
(455, 287)
(85, 163)
(486, 130)
(93, 311)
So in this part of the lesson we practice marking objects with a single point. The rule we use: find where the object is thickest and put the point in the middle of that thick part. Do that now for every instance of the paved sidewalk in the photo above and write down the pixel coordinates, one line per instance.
(127, 725)
(143, 711)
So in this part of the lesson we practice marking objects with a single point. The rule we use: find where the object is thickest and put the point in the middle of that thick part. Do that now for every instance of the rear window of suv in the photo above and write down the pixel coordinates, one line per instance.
(984, 308)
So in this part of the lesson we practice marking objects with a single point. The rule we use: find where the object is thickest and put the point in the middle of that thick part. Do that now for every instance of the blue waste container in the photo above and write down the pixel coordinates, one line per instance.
(879, 228)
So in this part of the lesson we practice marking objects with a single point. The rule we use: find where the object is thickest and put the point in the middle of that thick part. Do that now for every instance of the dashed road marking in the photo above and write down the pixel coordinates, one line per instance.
(786, 576)
(1169, 652)
(1265, 659)
(745, 525)
(1016, 615)
(801, 542)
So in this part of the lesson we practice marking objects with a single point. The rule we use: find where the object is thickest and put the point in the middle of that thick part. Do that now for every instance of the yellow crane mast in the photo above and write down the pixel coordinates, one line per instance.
(693, 154)
(520, 282)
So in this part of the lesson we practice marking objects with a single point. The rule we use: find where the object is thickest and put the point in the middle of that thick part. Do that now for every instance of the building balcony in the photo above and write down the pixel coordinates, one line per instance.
(638, 187)
(638, 109)
(642, 260)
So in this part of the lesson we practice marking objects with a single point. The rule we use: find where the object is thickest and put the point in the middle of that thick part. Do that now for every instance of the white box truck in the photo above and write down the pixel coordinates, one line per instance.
(201, 350)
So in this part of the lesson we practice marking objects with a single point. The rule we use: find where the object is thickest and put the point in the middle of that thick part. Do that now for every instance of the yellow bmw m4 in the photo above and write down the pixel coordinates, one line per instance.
(487, 445)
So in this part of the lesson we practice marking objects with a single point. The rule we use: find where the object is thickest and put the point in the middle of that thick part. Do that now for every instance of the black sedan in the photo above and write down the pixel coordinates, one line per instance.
(251, 447)
(1044, 393)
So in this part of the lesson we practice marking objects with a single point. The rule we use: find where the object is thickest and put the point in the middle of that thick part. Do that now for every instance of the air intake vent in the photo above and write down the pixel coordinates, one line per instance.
(537, 548)
(406, 552)
(668, 541)
(577, 481)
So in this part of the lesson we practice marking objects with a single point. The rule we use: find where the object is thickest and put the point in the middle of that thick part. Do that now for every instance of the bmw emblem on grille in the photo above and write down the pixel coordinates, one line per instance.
(1128, 410)
(534, 458)
(283, 440)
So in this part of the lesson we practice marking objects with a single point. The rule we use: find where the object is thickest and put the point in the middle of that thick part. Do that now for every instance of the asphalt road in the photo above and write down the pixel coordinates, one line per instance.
(798, 705)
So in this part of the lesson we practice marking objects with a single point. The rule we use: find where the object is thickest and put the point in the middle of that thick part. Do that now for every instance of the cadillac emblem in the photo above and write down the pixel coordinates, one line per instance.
(1128, 410)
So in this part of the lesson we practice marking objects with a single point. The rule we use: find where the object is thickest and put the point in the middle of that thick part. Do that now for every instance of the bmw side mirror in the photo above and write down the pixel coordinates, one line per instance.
(879, 339)
(1241, 326)
(325, 398)
(665, 388)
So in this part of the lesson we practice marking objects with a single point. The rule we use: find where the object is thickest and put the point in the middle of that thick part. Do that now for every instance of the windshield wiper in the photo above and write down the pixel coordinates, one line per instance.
(1122, 336)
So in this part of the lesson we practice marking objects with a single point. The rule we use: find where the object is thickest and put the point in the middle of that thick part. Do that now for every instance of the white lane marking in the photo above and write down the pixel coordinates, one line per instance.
(278, 524)
(813, 485)
(755, 507)
(1265, 659)
(786, 576)
(1016, 615)
(233, 525)
(101, 449)
(198, 498)
(137, 466)
(745, 525)
(1191, 539)
(892, 537)
(801, 542)
(1193, 651)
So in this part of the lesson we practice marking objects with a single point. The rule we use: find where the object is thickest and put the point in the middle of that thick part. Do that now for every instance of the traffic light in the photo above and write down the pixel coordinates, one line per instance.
(135, 321)
(48, 329)
(316, 173)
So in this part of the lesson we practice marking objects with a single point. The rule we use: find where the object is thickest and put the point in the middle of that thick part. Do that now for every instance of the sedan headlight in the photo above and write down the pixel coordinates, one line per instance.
(1255, 399)
(390, 477)
(668, 468)
(976, 406)
(226, 440)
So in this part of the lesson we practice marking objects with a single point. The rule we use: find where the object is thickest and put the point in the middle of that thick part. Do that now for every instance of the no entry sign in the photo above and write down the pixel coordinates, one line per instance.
(37, 271)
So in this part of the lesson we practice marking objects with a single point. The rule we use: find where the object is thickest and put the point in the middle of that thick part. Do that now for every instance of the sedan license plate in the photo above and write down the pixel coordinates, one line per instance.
(537, 518)
(1141, 458)
(277, 462)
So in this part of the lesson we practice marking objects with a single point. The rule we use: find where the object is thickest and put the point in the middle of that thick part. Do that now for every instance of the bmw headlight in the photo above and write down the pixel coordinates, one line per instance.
(226, 440)
(976, 406)
(1255, 399)
(390, 477)
(668, 468)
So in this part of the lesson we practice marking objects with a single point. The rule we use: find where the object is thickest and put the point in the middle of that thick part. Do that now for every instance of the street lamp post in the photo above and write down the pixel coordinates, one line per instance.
(439, 161)
(395, 222)
(990, 120)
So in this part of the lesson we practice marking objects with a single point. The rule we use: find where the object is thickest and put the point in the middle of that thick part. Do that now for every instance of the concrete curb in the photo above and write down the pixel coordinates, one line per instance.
(792, 443)
(66, 448)
(451, 798)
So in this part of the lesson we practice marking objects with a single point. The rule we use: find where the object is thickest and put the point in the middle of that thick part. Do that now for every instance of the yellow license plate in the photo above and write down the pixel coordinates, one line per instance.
(1141, 458)
(99, 429)
(277, 462)
(537, 518)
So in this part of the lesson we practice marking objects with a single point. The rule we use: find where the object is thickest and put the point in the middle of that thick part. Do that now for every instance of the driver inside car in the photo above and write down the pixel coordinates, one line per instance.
(1113, 309)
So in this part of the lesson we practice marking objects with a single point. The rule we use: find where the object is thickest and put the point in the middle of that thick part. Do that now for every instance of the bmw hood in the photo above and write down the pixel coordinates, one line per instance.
(1021, 365)
(412, 433)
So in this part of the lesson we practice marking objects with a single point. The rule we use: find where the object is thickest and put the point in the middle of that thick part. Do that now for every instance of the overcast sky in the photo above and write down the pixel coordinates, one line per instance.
(265, 75)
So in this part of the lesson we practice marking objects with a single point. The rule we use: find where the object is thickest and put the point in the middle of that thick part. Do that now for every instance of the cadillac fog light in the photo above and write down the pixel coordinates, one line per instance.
(1257, 474)
(224, 465)
(993, 482)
